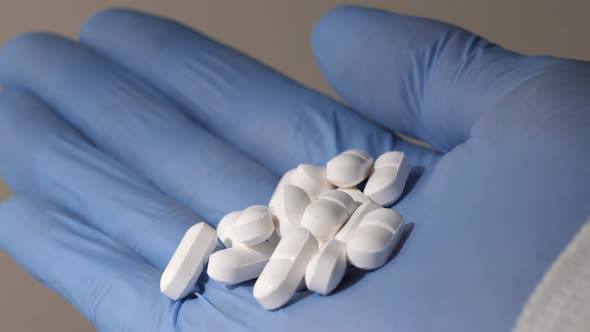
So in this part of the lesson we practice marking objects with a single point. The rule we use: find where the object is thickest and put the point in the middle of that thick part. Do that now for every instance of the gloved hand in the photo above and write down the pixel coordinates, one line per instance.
(116, 144)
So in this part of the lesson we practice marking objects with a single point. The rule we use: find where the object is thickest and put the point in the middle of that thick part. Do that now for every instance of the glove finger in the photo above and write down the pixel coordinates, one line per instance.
(41, 155)
(275, 120)
(423, 78)
(130, 121)
(112, 287)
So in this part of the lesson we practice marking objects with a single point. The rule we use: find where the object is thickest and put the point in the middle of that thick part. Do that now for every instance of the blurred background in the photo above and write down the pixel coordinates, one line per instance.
(277, 33)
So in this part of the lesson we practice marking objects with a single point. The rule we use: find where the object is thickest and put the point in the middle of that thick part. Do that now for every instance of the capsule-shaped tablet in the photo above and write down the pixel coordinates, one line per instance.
(255, 225)
(186, 264)
(284, 227)
(389, 176)
(285, 269)
(290, 208)
(356, 194)
(341, 198)
(375, 238)
(326, 268)
(277, 196)
(311, 178)
(324, 216)
(275, 237)
(276, 203)
(225, 228)
(349, 168)
(354, 221)
(240, 263)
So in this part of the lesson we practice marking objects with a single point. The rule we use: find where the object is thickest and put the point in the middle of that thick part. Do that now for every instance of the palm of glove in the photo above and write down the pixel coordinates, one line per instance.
(117, 145)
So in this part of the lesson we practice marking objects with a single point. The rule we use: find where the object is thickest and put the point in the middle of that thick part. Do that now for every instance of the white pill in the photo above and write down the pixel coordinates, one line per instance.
(225, 228)
(349, 168)
(311, 178)
(284, 227)
(326, 268)
(356, 194)
(294, 204)
(240, 263)
(275, 237)
(255, 225)
(389, 176)
(277, 205)
(354, 221)
(342, 198)
(296, 200)
(277, 196)
(324, 216)
(186, 264)
(285, 269)
(375, 238)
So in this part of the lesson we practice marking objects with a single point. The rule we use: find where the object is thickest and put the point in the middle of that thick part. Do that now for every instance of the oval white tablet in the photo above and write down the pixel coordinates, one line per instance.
(311, 178)
(388, 179)
(323, 218)
(296, 200)
(354, 221)
(225, 228)
(375, 238)
(240, 263)
(275, 237)
(356, 194)
(349, 168)
(255, 225)
(285, 269)
(342, 198)
(326, 268)
(186, 264)
(277, 196)
(284, 227)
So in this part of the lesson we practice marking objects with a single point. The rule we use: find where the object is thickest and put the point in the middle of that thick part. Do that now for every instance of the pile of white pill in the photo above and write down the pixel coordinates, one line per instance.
(316, 223)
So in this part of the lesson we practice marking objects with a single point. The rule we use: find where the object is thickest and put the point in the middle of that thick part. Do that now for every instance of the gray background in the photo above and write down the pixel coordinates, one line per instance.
(277, 32)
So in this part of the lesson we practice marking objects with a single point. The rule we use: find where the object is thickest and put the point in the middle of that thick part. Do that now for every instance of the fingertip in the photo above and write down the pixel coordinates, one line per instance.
(378, 62)
(109, 15)
(326, 38)
(105, 28)
(349, 28)
(353, 43)
(340, 20)
(107, 21)
(359, 53)
(28, 41)
(13, 47)
(102, 24)
(26, 55)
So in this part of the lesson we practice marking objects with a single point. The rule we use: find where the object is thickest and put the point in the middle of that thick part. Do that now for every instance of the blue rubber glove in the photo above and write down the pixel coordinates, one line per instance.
(116, 144)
